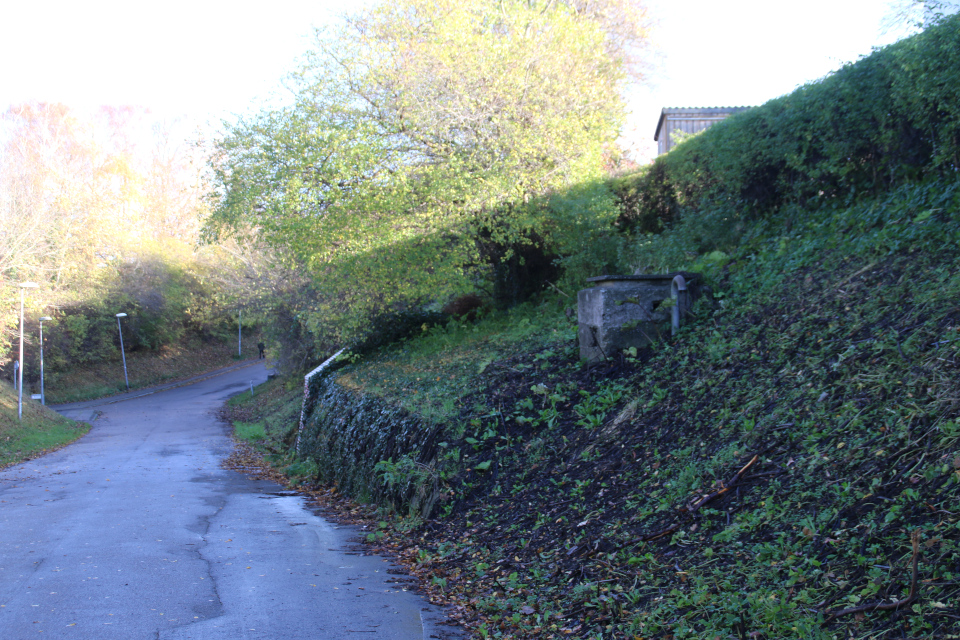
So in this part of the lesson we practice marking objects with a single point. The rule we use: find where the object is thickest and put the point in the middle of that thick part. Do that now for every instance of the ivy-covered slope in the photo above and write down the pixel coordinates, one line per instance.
(764, 475)
(761, 476)
(788, 466)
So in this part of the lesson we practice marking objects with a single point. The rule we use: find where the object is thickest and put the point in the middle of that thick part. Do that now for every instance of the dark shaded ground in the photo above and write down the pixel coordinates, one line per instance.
(792, 459)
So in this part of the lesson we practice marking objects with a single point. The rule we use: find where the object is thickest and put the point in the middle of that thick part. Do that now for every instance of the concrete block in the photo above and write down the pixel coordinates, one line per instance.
(620, 312)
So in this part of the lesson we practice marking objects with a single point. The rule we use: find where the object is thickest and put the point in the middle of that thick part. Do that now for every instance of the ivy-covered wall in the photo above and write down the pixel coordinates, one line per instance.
(347, 433)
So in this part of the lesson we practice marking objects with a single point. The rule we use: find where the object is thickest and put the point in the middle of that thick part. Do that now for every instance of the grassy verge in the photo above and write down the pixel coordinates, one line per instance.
(40, 431)
(433, 374)
(777, 471)
(268, 417)
(144, 368)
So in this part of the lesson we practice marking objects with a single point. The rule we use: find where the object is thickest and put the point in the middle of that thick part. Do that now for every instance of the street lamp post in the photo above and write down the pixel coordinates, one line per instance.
(23, 285)
(122, 353)
(43, 395)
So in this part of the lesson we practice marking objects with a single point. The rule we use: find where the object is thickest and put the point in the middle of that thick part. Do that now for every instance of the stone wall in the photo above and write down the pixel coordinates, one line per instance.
(347, 433)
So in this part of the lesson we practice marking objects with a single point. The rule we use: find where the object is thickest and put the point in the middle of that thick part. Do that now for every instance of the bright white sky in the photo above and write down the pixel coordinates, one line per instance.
(208, 59)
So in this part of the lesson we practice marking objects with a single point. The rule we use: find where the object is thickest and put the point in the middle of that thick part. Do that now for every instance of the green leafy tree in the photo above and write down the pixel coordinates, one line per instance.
(420, 127)
(101, 208)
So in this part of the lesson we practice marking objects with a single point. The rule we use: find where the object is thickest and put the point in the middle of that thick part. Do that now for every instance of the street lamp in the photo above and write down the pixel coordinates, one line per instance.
(43, 395)
(124, 355)
(23, 285)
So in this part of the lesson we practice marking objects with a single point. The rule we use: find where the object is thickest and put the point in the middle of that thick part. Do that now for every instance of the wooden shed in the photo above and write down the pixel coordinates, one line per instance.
(687, 120)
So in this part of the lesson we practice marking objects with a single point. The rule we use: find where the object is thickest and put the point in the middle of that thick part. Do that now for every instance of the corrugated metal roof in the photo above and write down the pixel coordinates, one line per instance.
(703, 111)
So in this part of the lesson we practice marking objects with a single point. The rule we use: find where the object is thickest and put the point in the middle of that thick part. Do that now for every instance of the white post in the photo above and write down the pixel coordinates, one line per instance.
(43, 394)
(240, 333)
(122, 352)
(678, 291)
(23, 285)
(20, 370)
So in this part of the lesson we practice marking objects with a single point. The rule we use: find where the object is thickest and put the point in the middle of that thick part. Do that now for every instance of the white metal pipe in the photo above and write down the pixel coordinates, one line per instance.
(306, 394)
(122, 352)
(23, 285)
(43, 394)
(20, 372)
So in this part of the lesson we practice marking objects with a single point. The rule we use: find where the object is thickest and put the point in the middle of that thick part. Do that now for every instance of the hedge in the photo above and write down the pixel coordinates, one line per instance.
(890, 118)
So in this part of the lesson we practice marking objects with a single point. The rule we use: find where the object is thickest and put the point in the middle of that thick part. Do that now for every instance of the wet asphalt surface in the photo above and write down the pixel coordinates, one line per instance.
(135, 531)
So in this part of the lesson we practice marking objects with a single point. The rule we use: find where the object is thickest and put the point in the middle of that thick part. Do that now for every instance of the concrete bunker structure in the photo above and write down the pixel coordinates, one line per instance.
(619, 312)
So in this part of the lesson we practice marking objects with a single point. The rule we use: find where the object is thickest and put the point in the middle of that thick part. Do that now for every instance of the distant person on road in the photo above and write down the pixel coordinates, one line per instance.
(261, 347)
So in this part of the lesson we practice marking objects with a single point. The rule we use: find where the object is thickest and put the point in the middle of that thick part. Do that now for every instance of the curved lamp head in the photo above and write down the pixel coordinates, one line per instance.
(121, 315)
(28, 285)
(45, 318)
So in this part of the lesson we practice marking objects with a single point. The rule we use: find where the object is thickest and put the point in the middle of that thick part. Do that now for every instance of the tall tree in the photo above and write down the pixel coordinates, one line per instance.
(85, 196)
(420, 126)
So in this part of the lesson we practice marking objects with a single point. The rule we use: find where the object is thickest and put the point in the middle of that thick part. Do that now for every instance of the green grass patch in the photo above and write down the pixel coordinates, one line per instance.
(431, 374)
(268, 419)
(252, 432)
(41, 429)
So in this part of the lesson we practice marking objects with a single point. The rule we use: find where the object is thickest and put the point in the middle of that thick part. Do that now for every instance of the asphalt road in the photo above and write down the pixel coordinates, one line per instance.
(135, 531)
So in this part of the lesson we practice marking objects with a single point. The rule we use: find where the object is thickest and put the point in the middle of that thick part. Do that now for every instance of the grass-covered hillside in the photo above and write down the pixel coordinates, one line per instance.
(763, 475)
(38, 431)
(146, 367)
(788, 466)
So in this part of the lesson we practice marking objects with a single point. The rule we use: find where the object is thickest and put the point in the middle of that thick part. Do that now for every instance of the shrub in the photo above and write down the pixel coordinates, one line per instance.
(891, 118)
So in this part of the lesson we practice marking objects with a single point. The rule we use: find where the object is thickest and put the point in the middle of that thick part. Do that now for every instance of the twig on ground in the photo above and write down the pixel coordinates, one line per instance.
(888, 606)
(660, 534)
(729, 485)
(691, 509)
(765, 474)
